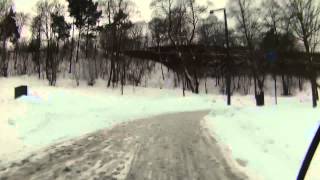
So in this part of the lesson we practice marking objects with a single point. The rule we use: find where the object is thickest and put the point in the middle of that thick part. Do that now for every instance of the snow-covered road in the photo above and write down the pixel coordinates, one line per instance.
(173, 146)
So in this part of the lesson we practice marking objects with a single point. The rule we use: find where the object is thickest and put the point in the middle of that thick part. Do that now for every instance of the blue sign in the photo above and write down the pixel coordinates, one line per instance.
(272, 56)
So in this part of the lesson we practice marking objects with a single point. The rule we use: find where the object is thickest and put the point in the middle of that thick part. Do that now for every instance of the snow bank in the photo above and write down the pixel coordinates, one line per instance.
(9, 109)
(272, 140)
(70, 114)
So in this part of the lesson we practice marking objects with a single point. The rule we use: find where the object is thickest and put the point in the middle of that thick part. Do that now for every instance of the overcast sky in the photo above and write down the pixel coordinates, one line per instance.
(143, 6)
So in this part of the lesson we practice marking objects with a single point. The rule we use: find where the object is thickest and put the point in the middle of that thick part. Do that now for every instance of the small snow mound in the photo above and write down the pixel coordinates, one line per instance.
(31, 99)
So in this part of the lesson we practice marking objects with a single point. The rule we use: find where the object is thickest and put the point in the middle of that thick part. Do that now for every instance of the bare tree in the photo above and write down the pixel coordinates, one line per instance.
(114, 34)
(35, 43)
(8, 31)
(135, 35)
(49, 26)
(182, 19)
(249, 24)
(272, 15)
(306, 25)
(22, 21)
(158, 29)
(211, 32)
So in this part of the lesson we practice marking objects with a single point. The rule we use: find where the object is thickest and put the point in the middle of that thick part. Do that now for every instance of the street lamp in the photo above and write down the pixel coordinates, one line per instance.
(228, 76)
(225, 24)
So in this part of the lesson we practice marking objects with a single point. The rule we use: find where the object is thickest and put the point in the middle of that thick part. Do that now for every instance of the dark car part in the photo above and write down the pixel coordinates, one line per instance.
(307, 160)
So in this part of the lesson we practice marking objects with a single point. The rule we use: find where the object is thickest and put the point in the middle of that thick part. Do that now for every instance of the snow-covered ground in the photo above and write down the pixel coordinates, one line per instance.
(52, 114)
(270, 141)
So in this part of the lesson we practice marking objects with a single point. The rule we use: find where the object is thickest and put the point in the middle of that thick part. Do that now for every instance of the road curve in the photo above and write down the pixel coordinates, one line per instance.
(165, 147)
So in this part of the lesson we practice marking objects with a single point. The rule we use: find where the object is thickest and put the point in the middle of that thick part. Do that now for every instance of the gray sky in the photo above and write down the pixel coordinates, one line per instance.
(143, 6)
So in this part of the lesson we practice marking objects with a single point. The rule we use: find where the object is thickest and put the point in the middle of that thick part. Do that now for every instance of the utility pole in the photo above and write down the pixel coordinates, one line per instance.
(228, 73)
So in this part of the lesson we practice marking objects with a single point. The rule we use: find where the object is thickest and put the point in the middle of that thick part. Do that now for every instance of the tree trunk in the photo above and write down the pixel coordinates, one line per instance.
(16, 56)
(183, 87)
(196, 85)
(71, 49)
(314, 91)
(78, 45)
(259, 92)
(111, 73)
(4, 68)
(228, 88)
(38, 53)
(300, 84)
(285, 86)
(205, 86)
(47, 61)
(275, 89)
